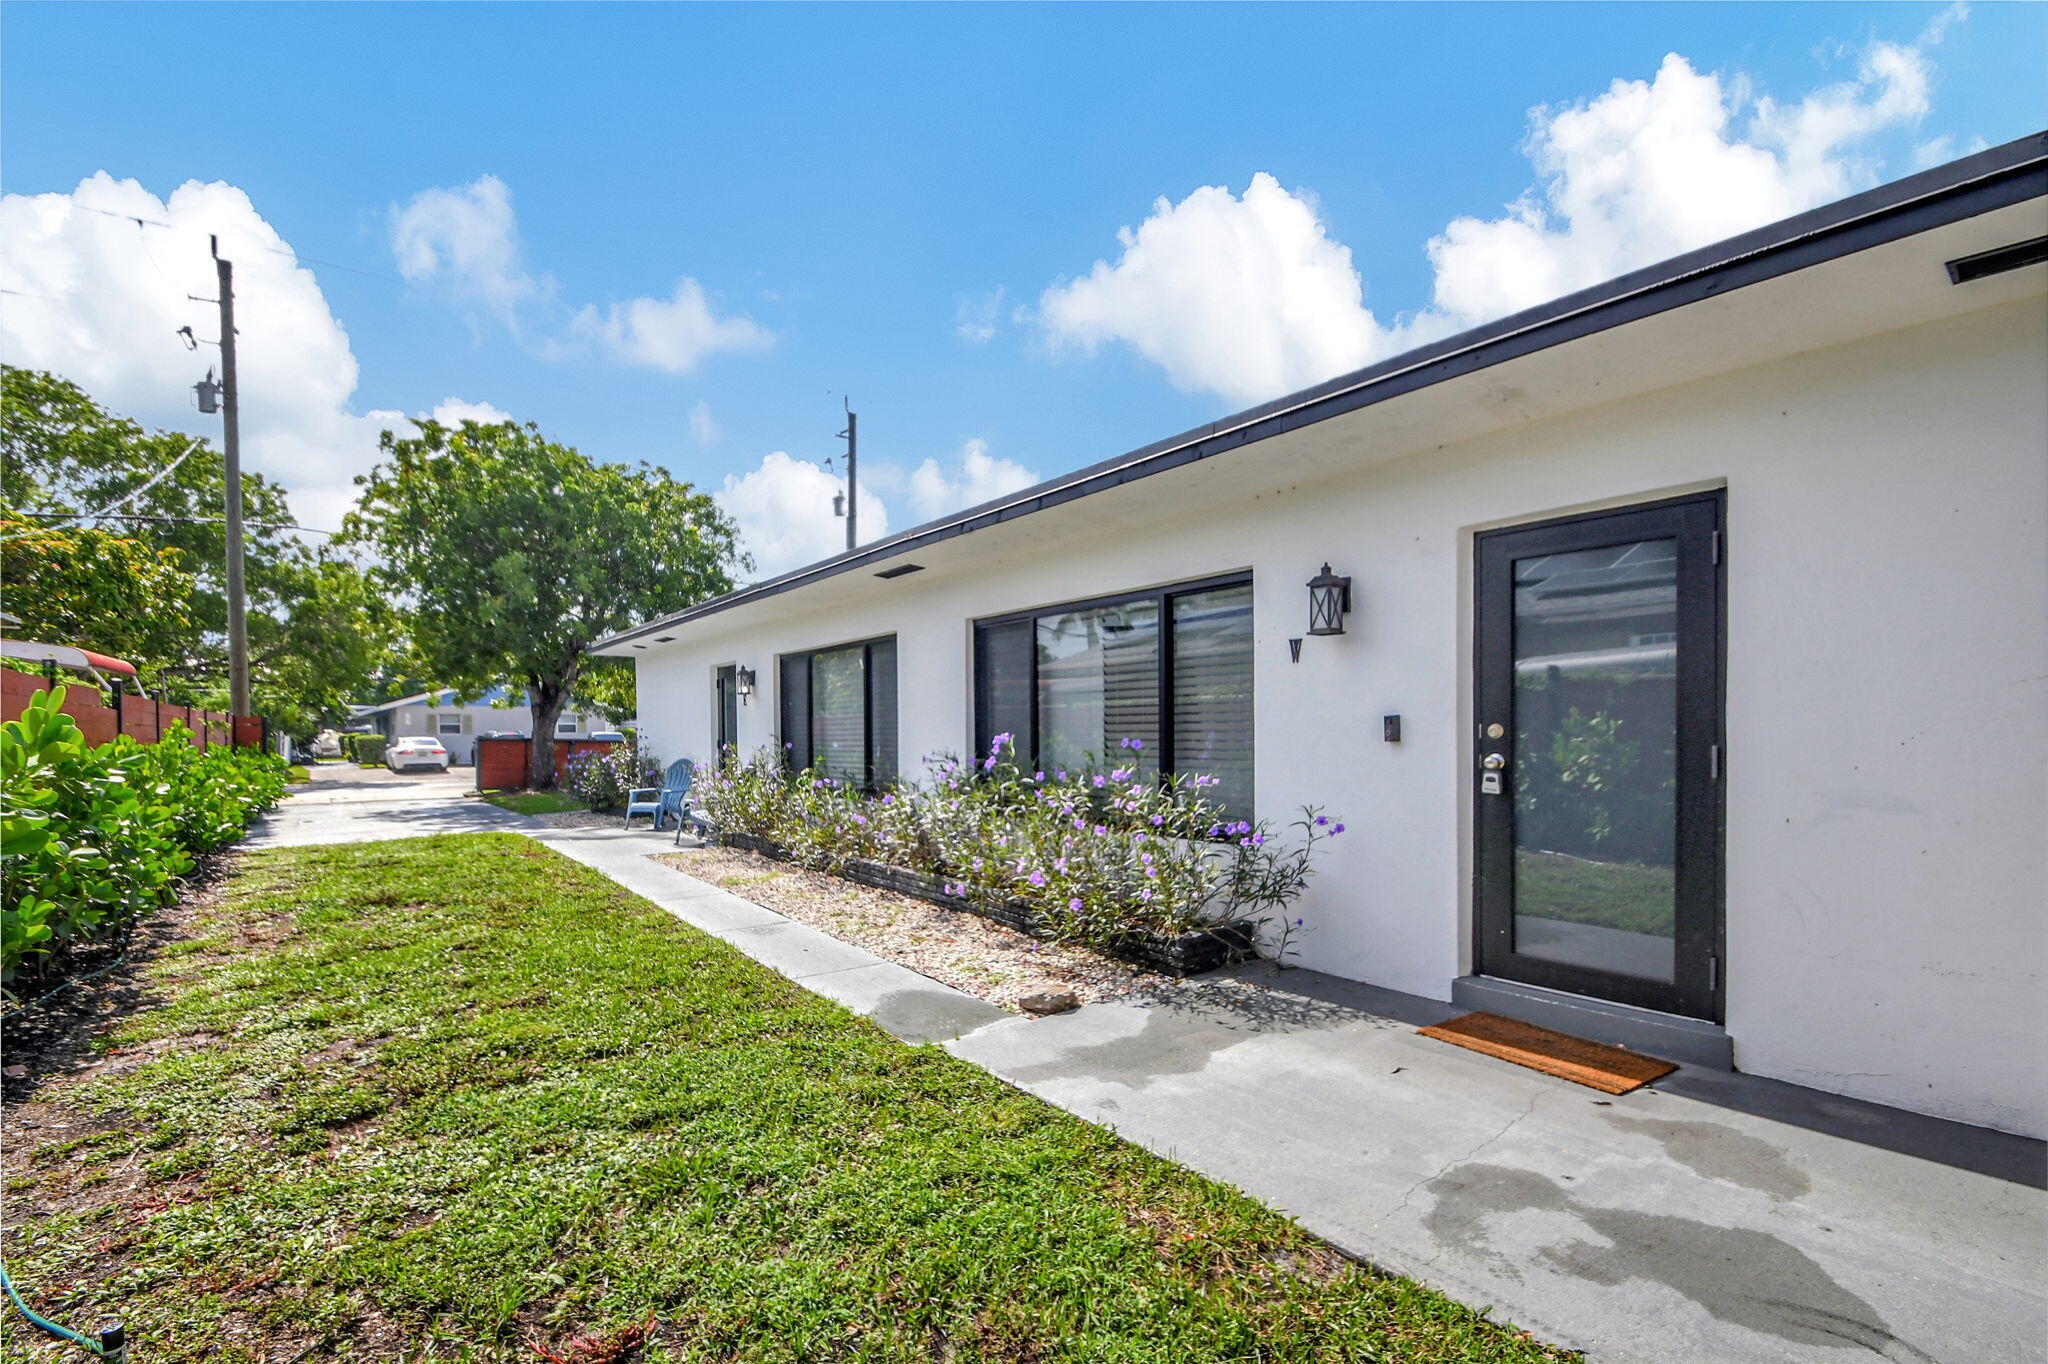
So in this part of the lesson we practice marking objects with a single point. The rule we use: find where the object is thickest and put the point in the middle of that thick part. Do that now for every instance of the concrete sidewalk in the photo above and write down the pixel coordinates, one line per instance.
(1714, 1217)
(1710, 1218)
(351, 804)
(913, 1007)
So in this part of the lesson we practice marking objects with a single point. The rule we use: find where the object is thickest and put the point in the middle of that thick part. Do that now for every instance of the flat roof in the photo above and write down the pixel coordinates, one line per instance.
(1991, 179)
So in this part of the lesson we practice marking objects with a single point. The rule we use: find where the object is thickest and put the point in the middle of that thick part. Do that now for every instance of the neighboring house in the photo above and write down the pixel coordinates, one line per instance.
(457, 723)
(1693, 691)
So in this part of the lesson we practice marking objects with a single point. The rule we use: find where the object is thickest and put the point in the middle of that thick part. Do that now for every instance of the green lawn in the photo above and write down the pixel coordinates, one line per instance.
(298, 775)
(460, 1098)
(535, 802)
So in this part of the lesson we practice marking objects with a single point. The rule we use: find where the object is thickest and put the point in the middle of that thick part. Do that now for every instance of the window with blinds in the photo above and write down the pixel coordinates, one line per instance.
(839, 711)
(1171, 668)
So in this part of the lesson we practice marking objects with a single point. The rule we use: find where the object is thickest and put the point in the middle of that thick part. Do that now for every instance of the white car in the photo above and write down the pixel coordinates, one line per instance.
(403, 755)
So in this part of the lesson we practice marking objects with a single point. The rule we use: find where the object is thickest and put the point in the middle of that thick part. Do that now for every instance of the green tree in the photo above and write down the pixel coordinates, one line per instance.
(90, 587)
(516, 552)
(316, 628)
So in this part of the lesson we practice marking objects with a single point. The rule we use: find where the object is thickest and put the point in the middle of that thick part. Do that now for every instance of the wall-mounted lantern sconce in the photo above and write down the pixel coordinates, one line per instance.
(1329, 597)
(743, 683)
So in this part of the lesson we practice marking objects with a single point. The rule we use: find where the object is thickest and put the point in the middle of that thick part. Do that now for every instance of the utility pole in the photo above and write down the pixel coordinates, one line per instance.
(852, 480)
(231, 446)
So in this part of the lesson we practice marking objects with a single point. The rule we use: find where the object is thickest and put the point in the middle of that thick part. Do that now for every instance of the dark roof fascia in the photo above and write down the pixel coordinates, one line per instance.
(1995, 178)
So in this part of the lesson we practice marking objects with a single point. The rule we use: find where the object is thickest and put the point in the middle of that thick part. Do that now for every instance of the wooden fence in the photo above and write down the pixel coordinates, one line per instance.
(501, 763)
(139, 717)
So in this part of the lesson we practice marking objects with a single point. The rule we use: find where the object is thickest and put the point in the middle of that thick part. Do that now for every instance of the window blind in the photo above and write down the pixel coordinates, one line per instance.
(1074, 683)
(839, 712)
(1212, 691)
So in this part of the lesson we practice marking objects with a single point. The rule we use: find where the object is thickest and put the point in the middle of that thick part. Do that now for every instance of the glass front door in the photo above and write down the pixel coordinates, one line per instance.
(1598, 756)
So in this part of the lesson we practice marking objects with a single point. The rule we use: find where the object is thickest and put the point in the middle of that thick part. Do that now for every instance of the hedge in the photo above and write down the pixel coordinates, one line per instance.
(94, 837)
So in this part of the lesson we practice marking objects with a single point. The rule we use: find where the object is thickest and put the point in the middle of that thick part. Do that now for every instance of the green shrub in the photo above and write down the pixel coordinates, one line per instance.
(92, 838)
(364, 749)
(1098, 853)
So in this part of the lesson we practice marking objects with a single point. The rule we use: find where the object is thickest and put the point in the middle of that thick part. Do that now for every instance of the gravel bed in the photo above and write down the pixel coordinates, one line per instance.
(581, 819)
(951, 946)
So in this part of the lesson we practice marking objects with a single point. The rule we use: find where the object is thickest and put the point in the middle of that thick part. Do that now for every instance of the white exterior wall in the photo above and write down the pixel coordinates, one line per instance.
(1887, 681)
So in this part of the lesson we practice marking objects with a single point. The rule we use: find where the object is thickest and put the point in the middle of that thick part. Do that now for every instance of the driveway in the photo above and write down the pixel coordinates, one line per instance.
(349, 804)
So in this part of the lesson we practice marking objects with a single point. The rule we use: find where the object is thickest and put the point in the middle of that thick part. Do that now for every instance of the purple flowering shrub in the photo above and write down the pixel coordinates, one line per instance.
(602, 779)
(1099, 853)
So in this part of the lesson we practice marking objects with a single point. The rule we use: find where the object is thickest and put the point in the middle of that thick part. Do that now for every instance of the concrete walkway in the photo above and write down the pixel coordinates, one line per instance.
(350, 804)
(1712, 1217)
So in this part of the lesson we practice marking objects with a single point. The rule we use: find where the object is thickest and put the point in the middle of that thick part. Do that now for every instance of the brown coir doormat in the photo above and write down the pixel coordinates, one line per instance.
(1611, 1070)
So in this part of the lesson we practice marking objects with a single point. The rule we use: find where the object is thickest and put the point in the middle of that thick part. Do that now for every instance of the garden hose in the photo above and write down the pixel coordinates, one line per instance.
(51, 994)
(112, 1346)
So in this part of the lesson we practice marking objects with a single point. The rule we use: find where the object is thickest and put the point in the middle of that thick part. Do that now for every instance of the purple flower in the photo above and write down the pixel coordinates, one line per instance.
(1037, 878)
(1146, 895)
(1138, 744)
(988, 765)
(1338, 829)
(1158, 820)
(1075, 903)
(1102, 828)
(1038, 776)
(887, 799)
(1321, 820)
(1061, 774)
(1121, 774)
(1101, 780)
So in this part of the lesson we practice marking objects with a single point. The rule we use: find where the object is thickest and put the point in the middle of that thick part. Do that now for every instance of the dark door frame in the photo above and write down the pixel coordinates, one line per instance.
(1696, 522)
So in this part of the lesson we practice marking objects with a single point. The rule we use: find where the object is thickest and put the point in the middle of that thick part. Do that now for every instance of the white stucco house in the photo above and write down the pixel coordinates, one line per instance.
(457, 722)
(1693, 690)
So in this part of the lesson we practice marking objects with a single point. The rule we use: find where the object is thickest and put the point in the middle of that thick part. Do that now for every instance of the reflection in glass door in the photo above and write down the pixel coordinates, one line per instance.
(1598, 807)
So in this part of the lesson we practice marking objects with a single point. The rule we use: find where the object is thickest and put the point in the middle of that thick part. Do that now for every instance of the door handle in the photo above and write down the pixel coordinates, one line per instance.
(1490, 783)
(1494, 762)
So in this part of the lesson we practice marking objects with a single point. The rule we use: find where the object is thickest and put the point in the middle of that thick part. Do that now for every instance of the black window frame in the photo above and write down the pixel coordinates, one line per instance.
(1162, 599)
(871, 778)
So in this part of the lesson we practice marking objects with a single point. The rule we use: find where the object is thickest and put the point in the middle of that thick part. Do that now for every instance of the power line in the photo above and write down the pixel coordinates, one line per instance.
(191, 520)
(127, 497)
(274, 250)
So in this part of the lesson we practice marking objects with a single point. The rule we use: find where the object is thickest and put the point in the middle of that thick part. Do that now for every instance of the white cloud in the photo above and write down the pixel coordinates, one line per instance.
(784, 510)
(974, 319)
(673, 334)
(109, 298)
(703, 428)
(456, 411)
(976, 478)
(466, 240)
(465, 243)
(1653, 168)
(1251, 297)
(1246, 297)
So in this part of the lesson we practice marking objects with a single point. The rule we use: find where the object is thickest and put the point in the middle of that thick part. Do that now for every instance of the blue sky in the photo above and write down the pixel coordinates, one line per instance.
(850, 187)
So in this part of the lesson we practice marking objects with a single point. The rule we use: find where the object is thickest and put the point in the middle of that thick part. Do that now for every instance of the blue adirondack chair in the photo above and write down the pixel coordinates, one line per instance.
(672, 797)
